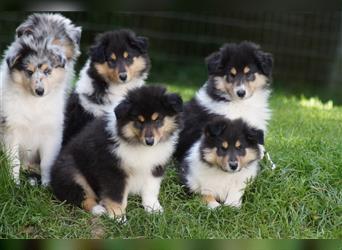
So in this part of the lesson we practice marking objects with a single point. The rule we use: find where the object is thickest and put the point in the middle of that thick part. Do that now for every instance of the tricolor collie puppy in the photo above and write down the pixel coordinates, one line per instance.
(114, 157)
(219, 164)
(35, 74)
(237, 87)
(118, 62)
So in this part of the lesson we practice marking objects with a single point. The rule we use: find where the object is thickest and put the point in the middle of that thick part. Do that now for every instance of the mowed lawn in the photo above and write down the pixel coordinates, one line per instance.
(301, 198)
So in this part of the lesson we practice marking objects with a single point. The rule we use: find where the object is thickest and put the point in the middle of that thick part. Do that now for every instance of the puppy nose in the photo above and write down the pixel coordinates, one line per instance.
(123, 76)
(39, 91)
(149, 141)
(241, 93)
(233, 165)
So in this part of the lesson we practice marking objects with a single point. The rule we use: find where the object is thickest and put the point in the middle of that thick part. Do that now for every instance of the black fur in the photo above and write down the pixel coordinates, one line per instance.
(105, 44)
(195, 117)
(90, 153)
(75, 122)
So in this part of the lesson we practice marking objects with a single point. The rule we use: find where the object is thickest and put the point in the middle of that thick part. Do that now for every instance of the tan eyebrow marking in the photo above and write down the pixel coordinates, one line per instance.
(125, 54)
(237, 144)
(141, 118)
(246, 69)
(225, 144)
(154, 116)
(113, 56)
(44, 66)
(233, 71)
(30, 67)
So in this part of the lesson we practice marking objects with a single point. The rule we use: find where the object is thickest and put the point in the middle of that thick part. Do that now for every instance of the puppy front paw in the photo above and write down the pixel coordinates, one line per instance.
(234, 204)
(154, 207)
(98, 210)
(213, 205)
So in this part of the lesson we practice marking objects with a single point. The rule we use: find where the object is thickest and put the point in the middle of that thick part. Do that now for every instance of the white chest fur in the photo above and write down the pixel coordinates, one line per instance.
(139, 161)
(254, 110)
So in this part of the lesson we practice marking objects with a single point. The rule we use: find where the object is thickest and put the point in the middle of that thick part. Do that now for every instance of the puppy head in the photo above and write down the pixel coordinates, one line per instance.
(229, 145)
(56, 28)
(148, 115)
(238, 70)
(36, 66)
(120, 56)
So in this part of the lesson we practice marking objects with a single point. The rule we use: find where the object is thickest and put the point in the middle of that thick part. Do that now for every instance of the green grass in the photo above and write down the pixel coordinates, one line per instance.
(301, 198)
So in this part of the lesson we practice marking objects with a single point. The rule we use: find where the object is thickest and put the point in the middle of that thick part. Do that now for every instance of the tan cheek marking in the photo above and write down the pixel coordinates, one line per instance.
(246, 69)
(225, 144)
(259, 82)
(141, 118)
(136, 67)
(130, 131)
(113, 56)
(233, 71)
(154, 116)
(125, 54)
(211, 157)
(108, 74)
(237, 144)
(251, 155)
(222, 85)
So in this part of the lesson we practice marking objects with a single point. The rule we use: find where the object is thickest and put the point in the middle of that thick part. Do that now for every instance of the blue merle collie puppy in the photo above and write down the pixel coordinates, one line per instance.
(114, 157)
(35, 75)
(219, 164)
(237, 87)
(118, 62)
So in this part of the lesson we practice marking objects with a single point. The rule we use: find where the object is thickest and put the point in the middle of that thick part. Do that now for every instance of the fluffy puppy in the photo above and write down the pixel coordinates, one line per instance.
(35, 75)
(118, 62)
(114, 157)
(219, 164)
(237, 87)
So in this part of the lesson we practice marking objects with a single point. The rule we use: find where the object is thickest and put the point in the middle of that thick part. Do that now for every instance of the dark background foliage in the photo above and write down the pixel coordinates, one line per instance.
(307, 46)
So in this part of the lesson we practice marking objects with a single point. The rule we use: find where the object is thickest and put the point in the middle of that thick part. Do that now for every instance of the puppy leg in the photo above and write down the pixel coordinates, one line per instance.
(210, 201)
(234, 198)
(12, 149)
(149, 195)
(48, 152)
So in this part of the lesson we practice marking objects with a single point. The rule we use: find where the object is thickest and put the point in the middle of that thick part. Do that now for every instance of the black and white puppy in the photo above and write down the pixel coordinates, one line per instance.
(35, 75)
(114, 157)
(219, 164)
(118, 62)
(237, 87)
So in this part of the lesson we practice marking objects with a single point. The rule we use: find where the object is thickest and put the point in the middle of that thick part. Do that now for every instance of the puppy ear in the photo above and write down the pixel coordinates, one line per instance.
(75, 35)
(139, 42)
(213, 62)
(11, 60)
(265, 62)
(214, 129)
(254, 136)
(97, 53)
(174, 102)
(122, 110)
(24, 29)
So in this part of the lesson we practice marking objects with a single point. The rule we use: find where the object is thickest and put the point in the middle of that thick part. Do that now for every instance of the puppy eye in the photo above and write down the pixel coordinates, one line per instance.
(29, 72)
(47, 71)
(239, 147)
